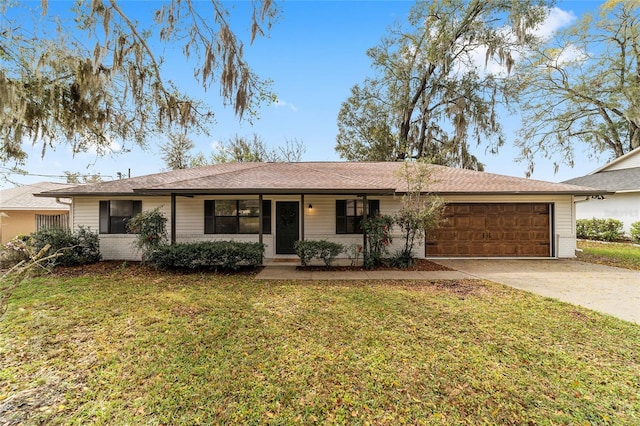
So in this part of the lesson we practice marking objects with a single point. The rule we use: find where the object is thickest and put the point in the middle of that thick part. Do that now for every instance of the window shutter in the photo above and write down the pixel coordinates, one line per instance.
(208, 217)
(374, 207)
(136, 207)
(104, 217)
(266, 216)
(341, 216)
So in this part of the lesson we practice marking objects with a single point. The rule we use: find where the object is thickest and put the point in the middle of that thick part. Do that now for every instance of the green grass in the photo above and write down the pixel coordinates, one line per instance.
(139, 347)
(623, 255)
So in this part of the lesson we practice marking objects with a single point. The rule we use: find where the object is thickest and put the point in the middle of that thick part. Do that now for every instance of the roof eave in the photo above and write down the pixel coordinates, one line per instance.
(588, 192)
(260, 191)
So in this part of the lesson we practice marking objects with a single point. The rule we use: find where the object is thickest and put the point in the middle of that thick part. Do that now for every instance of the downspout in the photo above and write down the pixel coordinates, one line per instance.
(70, 204)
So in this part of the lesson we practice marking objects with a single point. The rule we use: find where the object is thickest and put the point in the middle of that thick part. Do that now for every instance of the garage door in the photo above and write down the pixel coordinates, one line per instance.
(493, 230)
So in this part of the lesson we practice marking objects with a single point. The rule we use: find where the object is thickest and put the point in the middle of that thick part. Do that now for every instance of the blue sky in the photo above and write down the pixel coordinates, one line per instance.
(314, 54)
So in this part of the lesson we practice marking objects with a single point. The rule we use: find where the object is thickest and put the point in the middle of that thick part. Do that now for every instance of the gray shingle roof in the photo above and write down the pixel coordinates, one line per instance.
(613, 180)
(318, 177)
(21, 197)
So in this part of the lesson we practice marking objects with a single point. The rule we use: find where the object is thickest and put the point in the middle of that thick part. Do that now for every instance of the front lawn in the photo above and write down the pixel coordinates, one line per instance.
(622, 255)
(133, 346)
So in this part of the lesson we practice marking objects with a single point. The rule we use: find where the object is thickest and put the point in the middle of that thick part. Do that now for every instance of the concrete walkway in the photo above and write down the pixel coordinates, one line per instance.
(614, 291)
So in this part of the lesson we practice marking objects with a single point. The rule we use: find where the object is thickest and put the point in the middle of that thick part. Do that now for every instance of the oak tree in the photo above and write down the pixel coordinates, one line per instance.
(431, 96)
(96, 73)
(581, 90)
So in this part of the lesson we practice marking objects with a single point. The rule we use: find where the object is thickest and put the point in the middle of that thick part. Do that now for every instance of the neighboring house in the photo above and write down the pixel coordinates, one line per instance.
(22, 213)
(487, 215)
(620, 177)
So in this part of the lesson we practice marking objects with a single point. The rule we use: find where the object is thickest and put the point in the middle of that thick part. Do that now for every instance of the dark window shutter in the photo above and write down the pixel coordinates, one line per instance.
(374, 207)
(104, 217)
(137, 207)
(208, 217)
(341, 216)
(266, 216)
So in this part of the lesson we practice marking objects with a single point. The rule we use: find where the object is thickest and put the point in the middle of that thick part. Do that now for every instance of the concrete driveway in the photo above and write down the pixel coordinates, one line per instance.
(614, 291)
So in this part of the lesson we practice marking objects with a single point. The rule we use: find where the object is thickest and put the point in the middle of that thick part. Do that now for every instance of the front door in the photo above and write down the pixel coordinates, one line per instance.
(287, 226)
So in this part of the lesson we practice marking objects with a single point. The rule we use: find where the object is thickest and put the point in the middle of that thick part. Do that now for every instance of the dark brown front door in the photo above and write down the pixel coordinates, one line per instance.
(287, 226)
(493, 230)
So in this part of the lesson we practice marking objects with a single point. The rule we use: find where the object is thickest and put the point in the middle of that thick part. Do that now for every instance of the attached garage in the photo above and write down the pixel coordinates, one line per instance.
(493, 230)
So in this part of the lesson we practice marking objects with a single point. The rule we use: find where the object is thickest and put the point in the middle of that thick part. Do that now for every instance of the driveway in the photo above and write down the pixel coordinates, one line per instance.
(614, 291)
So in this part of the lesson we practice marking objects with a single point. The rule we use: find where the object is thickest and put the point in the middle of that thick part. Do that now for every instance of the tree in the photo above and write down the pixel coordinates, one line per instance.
(55, 89)
(76, 177)
(240, 149)
(420, 212)
(430, 97)
(583, 88)
(175, 152)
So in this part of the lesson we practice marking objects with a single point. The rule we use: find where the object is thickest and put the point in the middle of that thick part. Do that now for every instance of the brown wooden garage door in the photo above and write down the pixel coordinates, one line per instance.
(493, 230)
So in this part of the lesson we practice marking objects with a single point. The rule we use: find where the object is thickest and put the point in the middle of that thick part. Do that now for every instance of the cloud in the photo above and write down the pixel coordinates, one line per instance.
(280, 103)
(556, 20)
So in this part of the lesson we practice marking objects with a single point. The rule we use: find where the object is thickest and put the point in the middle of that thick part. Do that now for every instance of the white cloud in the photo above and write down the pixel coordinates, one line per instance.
(556, 20)
(280, 103)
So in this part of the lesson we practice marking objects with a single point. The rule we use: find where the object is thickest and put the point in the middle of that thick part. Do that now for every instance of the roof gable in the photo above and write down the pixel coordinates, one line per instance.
(627, 161)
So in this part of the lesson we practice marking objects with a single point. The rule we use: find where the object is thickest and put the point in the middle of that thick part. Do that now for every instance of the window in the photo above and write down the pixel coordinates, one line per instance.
(349, 215)
(115, 214)
(236, 216)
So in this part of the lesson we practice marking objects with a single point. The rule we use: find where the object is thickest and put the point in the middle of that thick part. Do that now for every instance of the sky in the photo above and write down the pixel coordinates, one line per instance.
(314, 53)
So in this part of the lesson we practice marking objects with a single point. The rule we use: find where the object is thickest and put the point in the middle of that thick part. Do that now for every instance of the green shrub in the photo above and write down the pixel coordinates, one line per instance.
(599, 229)
(150, 228)
(319, 249)
(403, 259)
(377, 230)
(208, 255)
(80, 247)
(635, 232)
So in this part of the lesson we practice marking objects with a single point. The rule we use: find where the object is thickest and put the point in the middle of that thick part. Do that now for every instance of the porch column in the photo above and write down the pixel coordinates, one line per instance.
(261, 215)
(173, 218)
(302, 210)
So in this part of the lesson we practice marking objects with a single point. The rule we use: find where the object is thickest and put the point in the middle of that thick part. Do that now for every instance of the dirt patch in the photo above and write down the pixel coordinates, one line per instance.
(420, 265)
(460, 288)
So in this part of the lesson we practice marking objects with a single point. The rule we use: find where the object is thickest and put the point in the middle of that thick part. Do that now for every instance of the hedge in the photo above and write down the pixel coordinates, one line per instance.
(319, 249)
(599, 229)
(208, 255)
(80, 247)
(635, 232)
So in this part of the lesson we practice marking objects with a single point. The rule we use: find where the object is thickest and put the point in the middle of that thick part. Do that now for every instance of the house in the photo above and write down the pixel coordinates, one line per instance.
(487, 215)
(22, 213)
(620, 177)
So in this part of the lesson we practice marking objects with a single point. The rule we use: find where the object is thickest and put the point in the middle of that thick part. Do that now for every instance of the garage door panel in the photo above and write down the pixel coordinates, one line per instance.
(493, 229)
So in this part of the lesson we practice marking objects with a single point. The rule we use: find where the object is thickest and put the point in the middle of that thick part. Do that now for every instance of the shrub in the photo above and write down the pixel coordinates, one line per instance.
(319, 249)
(353, 253)
(378, 233)
(403, 259)
(15, 251)
(208, 255)
(80, 247)
(599, 229)
(635, 232)
(150, 228)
